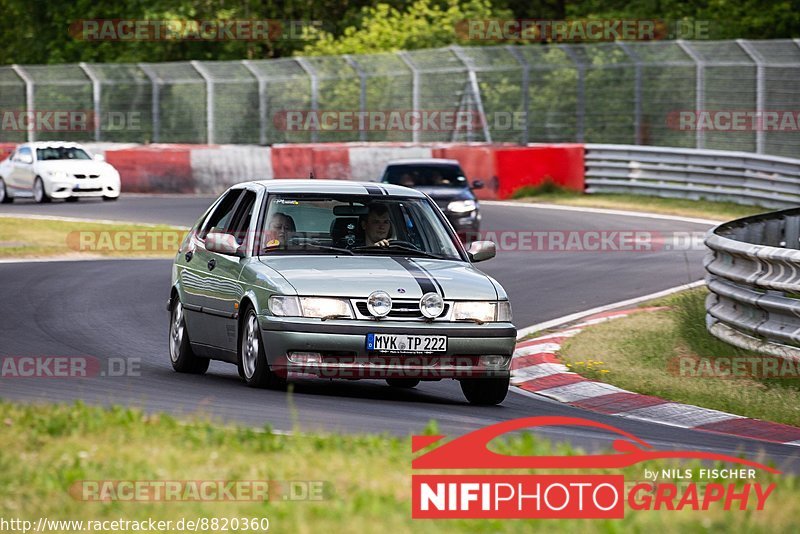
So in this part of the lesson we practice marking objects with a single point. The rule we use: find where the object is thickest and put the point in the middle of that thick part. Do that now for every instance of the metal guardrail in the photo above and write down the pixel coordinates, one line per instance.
(754, 282)
(720, 175)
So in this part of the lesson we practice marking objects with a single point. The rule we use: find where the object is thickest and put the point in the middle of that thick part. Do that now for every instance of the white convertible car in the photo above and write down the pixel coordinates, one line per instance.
(47, 170)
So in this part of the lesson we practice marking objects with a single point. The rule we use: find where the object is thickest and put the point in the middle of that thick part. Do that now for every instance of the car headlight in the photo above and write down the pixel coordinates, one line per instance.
(461, 206)
(58, 175)
(309, 307)
(484, 312)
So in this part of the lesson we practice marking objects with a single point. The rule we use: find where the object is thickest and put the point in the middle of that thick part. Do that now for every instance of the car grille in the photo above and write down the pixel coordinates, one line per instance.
(401, 309)
(83, 176)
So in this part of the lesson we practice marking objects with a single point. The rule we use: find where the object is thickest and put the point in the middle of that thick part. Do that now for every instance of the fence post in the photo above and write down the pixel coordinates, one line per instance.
(262, 101)
(96, 88)
(760, 92)
(414, 89)
(362, 96)
(476, 90)
(526, 80)
(155, 99)
(312, 74)
(29, 87)
(637, 91)
(580, 107)
(203, 72)
(700, 87)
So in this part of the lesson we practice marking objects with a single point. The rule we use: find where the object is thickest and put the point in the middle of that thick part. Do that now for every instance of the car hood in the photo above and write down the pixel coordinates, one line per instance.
(74, 166)
(358, 276)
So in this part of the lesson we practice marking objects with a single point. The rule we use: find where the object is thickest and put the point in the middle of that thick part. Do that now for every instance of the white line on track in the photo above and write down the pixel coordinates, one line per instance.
(603, 211)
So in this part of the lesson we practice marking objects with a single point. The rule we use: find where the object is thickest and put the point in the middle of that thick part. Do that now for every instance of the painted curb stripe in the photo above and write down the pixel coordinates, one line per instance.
(754, 428)
(536, 368)
(618, 402)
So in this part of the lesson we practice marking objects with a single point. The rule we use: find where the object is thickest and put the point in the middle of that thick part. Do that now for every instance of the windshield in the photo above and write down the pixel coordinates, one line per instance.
(426, 176)
(60, 152)
(355, 225)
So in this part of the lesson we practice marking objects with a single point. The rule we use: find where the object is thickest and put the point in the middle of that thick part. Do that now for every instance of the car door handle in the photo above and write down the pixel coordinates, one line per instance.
(189, 255)
(211, 264)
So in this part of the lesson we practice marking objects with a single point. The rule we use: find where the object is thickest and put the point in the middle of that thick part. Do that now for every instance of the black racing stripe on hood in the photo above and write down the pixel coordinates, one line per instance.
(423, 279)
(430, 275)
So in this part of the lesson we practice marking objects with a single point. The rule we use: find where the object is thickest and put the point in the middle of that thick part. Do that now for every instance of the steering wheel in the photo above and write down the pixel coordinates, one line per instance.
(403, 243)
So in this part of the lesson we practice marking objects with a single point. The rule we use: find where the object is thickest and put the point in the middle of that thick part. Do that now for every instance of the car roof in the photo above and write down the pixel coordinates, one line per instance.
(423, 161)
(337, 187)
(53, 144)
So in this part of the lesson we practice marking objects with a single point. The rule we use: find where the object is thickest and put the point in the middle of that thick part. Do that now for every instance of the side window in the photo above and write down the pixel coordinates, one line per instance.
(240, 222)
(24, 151)
(222, 213)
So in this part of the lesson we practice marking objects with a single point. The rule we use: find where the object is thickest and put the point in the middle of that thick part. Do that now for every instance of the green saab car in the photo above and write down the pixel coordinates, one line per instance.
(338, 279)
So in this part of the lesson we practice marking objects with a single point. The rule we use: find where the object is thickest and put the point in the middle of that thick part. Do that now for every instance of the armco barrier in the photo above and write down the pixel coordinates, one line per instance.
(506, 168)
(154, 168)
(562, 165)
(740, 177)
(754, 283)
(503, 168)
(326, 161)
(216, 168)
(477, 161)
(368, 161)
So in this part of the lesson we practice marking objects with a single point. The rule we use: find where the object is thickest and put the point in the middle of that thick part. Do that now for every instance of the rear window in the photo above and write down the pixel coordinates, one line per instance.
(426, 176)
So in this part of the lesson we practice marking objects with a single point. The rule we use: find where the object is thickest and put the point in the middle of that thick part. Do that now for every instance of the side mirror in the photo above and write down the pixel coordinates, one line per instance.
(482, 250)
(477, 184)
(223, 244)
(27, 159)
(99, 157)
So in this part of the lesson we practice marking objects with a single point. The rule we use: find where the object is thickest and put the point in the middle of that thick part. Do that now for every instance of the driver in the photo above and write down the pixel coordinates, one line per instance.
(377, 226)
(279, 226)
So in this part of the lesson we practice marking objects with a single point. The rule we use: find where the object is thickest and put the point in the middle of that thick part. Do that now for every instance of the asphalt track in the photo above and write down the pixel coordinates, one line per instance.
(114, 309)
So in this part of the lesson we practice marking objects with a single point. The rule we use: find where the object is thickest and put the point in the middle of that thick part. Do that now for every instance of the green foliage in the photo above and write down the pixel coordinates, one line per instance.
(423, 24)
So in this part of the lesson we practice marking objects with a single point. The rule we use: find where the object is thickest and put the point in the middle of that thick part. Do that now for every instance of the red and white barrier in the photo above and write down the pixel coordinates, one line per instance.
(175, 168)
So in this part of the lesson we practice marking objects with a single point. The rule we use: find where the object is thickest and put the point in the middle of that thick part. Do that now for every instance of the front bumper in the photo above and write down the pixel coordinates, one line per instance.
(343, 353)
(84, 188)
(465, 222)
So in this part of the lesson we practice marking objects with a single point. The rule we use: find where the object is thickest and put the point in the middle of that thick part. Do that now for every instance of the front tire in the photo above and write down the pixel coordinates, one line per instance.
(253, 364)
(403, 383)
(110, 199)
(485, 391)
(180, 351)
(39, 193)
(4, 198)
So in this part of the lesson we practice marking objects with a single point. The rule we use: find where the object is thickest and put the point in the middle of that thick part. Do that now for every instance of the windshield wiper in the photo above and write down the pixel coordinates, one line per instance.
(316, 246)
(404, 248)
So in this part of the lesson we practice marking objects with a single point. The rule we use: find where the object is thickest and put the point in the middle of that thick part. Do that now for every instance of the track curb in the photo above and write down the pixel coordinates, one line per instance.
(536, 369)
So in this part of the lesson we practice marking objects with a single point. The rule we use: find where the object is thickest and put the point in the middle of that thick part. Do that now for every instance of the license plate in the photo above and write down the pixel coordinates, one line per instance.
(406, 343)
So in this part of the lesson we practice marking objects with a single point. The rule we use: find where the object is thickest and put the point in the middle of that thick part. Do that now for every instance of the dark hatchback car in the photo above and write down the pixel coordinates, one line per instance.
(445, 182)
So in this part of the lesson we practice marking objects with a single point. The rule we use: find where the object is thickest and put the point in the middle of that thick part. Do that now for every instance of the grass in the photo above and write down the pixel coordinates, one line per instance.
(705, 209)
(643, 353)
(37, 238)
(44, 450)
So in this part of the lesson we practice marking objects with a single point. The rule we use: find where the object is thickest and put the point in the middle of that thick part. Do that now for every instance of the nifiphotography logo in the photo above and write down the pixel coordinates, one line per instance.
(561, 496)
